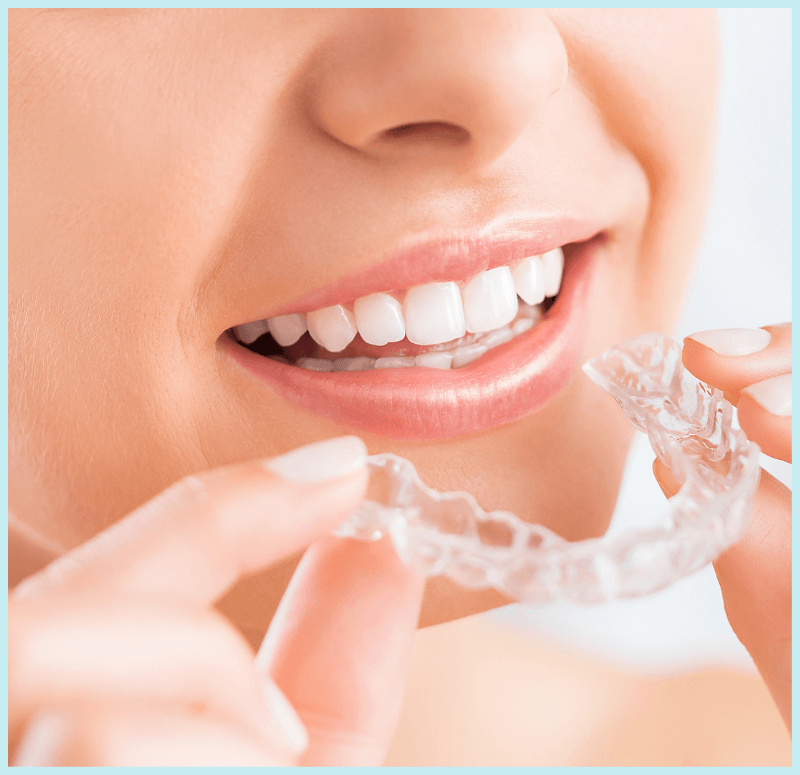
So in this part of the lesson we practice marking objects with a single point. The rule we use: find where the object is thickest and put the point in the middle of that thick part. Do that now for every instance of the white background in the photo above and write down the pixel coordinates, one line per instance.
(742, 279)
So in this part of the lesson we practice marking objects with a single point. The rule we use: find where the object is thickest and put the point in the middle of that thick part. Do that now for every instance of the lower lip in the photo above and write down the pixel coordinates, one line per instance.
(507, 383)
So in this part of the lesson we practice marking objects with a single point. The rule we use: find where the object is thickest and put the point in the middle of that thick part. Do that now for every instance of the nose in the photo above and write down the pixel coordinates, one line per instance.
(394, 83)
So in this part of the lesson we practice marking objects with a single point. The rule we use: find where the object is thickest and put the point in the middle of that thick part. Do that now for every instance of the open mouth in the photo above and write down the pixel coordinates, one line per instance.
(435, 359)
(435, 325)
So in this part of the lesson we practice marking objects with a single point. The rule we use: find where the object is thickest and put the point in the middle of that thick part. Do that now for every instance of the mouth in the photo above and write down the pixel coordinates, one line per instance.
(456, 352)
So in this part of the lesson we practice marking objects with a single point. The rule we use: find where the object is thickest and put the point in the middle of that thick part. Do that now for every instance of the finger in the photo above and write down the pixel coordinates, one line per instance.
(197, 538)
(733, 358)
(755, 576)
(340, 647)
(95, 735)
(65, 649)
(765, 415)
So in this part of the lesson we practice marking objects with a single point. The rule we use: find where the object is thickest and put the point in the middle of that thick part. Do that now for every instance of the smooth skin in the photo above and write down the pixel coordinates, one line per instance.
(169, 680)
(755, 575)
(174, 173)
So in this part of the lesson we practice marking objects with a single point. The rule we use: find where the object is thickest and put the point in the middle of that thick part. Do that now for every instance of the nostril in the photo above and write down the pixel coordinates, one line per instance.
(438, 131)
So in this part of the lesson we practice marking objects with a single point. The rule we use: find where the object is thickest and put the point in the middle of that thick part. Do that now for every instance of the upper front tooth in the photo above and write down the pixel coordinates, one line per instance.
(434, 313)
(249, 332)
(287, 329)
(553, 269)
(379, 318)
(490, 300)
(529, 279)
(332, 327)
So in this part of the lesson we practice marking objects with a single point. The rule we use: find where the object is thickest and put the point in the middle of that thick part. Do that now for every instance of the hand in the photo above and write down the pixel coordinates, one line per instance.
(753, 369)
(117, 657)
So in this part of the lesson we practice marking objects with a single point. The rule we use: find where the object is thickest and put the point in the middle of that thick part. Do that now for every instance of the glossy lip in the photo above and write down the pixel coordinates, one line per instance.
(505, 384)
(445, 258)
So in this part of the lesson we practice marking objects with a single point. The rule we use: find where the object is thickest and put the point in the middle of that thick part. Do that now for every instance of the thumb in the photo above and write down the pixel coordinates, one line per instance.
(755, 576)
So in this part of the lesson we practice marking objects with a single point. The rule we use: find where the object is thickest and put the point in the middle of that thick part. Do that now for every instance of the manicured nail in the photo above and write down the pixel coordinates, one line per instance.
(320, 461)
(43, 741)
(773, 394)
(733, 342)
(285, 716)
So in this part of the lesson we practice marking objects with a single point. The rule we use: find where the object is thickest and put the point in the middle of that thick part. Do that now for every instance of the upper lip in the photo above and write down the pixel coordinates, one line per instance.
(452, 257)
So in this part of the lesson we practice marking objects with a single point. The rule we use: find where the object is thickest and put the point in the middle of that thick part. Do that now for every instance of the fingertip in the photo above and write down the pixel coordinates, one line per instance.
(666, 481)
(772, 432)
(320, 461)
(732, 342)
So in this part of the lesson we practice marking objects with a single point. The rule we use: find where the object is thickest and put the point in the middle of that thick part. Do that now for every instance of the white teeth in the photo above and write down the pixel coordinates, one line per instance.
(361, 363)
(529, 279)
(394, 363)
(464, 355)
(379, 318)
(434, 360)
(534, 313)
(521, 326)
(332, 327)
(490, 300)
(315, 364)
(495, 305)
(496, 338)
(553, 270)
(434, 313)
(249, 332)
(287, 329)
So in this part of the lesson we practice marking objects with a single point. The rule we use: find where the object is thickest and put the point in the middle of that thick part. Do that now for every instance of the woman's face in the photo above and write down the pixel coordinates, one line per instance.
(176, 173)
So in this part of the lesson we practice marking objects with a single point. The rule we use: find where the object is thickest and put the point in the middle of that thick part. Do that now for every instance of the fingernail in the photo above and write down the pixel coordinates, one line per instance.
(733, 342)
(320, 461)
(43, 741)
(774, 394)
(285, 716)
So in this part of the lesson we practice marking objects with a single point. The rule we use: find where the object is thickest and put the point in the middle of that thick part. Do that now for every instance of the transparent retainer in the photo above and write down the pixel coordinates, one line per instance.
(689, 427)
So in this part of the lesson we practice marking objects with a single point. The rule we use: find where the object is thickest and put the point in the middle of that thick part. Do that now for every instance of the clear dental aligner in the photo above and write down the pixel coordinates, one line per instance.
(689, 427)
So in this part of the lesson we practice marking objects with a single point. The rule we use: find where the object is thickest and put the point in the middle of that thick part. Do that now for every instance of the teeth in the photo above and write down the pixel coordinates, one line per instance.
(249, 332)
(434, 313)
(434, 360)
(332, 327)
(353, 364)
(529, 279)
(394, 363)
(500, 303)
(490, 300)
(521, 326)
(287, 329)
(464, 355)
(379, 318)
(553, 270)
(496, 338)
(315, 364)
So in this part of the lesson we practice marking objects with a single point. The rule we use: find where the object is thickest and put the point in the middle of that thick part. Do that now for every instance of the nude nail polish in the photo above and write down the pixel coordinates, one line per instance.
(733, 342)
(320, 461)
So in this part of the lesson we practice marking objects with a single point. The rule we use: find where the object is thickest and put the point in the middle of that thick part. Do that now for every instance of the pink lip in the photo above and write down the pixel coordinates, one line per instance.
(455, 259)
(505, 384)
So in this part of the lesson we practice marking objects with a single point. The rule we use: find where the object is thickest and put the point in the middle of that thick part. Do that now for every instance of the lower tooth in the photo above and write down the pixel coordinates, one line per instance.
(533, 312)
(353, 364)
(394, 363)
(434, 360)
(464, 355)
(496, 338)
(315, 364)
(521, 326)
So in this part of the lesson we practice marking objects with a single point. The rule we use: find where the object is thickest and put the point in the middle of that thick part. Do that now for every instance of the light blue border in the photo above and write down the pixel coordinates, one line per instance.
(301, 5)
